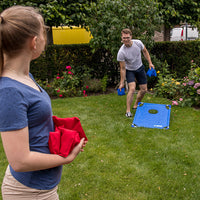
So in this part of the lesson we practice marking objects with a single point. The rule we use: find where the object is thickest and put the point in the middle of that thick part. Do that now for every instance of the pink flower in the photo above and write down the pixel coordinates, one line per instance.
(68, 67)
(58, 90)
(57, 77)
(87, 86)
(192, 61)
(184, 84)
(196, 85)
(198, 91)
(174, 103)
(181, 99)
(60, 95)
(191, 83)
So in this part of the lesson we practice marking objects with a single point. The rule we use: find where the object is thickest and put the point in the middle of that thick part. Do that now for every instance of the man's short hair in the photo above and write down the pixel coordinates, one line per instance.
(126, 31)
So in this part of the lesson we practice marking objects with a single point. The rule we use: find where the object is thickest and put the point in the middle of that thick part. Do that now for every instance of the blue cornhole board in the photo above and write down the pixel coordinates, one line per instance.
(151, 115)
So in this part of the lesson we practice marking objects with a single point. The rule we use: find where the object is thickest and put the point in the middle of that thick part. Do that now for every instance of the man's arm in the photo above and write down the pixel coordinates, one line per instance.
(122, 74)
(148, 58)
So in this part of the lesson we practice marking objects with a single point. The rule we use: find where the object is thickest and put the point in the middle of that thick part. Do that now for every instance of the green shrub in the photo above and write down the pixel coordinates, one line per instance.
(65, 84)
(104, 81)
(178, 55)
(183, 92)
(93, 85)
(56, 57)
(191, 87)
(73, 82)
(100, 63)
(167, 85)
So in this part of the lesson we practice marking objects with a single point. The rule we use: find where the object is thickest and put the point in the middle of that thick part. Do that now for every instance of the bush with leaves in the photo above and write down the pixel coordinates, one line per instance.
(66, 84)
(94, 85)
(190, 87)
(167, 85)
(107, 19)
(71, 82)
(184, 92)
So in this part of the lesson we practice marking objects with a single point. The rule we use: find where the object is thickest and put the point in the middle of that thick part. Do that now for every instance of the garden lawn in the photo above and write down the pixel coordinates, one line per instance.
(121, 162)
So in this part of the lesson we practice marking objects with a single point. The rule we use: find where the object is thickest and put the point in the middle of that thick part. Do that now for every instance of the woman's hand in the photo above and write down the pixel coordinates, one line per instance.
(76, 150)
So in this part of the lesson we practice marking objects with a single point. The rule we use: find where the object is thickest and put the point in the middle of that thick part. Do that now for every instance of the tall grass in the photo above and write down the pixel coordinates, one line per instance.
(121, 162)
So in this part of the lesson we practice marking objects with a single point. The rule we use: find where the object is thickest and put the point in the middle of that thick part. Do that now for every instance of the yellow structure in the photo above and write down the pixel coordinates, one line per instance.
(67, 35)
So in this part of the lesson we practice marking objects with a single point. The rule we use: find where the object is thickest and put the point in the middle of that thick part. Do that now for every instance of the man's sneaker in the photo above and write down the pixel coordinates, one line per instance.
(128, 114)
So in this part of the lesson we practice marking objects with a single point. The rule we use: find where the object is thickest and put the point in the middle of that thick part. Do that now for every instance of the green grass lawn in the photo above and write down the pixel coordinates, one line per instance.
(121, 162)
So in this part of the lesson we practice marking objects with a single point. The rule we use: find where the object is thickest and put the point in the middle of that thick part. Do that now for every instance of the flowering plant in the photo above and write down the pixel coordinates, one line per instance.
(73, 82)
(184, 92)
(191, 87)
(66, 84)
(167, 86)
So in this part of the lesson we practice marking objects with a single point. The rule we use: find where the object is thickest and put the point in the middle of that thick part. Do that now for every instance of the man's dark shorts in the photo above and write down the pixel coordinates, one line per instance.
(139, 75)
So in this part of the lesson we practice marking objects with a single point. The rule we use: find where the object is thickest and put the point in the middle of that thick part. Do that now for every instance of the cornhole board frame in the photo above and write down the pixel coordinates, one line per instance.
(151, 115)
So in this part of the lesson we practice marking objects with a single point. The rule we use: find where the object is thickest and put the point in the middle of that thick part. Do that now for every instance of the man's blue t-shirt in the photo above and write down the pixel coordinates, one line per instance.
(22, 106)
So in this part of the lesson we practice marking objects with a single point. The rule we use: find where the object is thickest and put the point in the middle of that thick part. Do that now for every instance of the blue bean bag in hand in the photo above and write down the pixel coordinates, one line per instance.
(122, 92)
(151, 72)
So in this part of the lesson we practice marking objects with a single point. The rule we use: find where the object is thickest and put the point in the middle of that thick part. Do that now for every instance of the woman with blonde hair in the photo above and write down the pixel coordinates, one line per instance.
(25, 111)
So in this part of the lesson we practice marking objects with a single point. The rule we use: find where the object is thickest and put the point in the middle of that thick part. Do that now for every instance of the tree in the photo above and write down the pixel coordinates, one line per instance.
(108, 18)
(56, 13)
(175, 12)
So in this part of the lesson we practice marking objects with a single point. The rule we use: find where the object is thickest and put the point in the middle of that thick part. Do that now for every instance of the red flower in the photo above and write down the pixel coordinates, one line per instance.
(84, 93)
(68, 67)
(87, 86)
(69, 72)
(57, 77)
(60, 95)
(58, 90)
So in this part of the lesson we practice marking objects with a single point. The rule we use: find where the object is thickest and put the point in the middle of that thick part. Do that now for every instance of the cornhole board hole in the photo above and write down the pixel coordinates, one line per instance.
(151, 115)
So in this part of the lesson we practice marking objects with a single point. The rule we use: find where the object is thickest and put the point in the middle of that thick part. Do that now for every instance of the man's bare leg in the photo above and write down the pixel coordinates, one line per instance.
(129, 98)
(140, 95)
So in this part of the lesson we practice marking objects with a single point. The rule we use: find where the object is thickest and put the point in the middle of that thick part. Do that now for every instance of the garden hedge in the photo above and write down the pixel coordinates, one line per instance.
(178, 55)
(56, 57)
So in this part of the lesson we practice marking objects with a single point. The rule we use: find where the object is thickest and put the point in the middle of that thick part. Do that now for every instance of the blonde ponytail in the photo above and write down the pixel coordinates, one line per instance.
(17, 24)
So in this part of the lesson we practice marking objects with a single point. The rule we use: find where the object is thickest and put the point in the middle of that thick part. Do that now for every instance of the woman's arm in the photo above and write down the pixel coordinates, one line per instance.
(16, 147)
